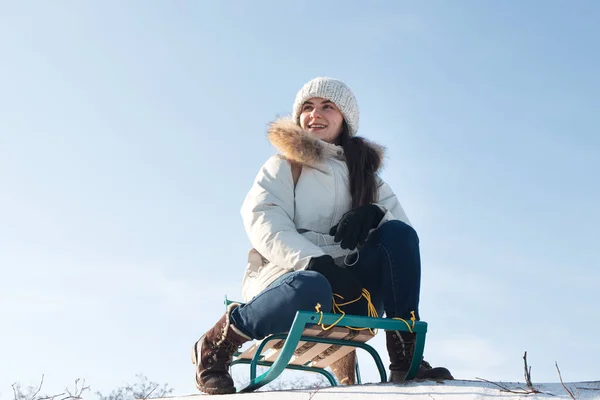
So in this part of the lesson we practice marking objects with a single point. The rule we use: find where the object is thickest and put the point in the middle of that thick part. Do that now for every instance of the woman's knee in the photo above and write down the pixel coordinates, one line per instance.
(311, 288)
(399, 230)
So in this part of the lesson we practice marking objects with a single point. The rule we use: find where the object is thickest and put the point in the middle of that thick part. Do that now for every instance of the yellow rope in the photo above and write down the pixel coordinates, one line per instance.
(318, 307)
(413, 318)
(371, 312)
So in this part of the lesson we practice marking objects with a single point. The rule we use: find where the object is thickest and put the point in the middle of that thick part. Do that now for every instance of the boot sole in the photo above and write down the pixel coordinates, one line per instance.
(204, 389)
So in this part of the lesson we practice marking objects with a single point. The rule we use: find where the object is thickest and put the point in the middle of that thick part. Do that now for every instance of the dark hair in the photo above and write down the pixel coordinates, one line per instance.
(363, 161)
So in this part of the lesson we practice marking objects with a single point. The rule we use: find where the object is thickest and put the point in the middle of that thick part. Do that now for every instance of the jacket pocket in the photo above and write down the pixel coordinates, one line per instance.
(256, 262)
(259, 274)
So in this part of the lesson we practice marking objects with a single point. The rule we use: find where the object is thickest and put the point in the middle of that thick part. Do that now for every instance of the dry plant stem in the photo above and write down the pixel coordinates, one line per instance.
(505, 389)
(39, 388)
(148, 395)
(78, 392)
(34, 395)
(15, 391)
(313, 393)
(76, 395)
(562, 383)
(319, 386)
(527, 373)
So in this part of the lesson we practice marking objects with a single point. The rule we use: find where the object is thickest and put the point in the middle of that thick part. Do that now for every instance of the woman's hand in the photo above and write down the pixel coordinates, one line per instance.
(354, 227)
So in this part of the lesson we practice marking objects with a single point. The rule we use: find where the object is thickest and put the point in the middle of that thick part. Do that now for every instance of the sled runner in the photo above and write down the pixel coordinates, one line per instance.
(316, 340)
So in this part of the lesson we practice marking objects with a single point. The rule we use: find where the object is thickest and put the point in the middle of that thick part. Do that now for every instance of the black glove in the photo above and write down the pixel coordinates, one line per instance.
(354, 227)
(342, 280)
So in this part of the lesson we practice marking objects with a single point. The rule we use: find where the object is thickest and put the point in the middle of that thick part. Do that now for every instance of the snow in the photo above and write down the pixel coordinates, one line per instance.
(457, 389)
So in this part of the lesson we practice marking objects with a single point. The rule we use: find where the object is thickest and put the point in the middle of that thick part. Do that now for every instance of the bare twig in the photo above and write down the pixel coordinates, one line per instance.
(20, 395)
(503, 388)
(528, 373)
(15, 390)
(148, 395)
(39, 388)
(68, 395)
(318, 386)
(54, 396)
(562, 383)
(78, 391)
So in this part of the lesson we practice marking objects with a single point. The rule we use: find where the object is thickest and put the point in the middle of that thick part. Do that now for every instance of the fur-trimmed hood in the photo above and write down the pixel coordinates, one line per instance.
(299, 146)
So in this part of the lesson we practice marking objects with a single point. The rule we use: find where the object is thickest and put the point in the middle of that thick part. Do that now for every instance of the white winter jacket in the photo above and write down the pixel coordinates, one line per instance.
(288, 226)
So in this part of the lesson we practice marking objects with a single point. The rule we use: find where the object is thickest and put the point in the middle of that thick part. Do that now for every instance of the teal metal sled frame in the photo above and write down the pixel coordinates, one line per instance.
(304, 319)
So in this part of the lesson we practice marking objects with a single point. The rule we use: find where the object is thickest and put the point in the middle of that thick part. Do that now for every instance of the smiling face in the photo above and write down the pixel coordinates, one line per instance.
(321, 118)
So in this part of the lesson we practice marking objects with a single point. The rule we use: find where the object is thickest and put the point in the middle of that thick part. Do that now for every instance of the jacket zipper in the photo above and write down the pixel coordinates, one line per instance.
(335, 195)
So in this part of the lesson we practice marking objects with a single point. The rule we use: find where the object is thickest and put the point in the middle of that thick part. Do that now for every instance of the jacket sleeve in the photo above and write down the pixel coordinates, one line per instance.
(268, 216)
(389, 204)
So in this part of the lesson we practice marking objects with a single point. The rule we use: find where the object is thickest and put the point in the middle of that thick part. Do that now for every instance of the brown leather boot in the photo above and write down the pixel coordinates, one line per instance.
(213, 354)
(344, 369)
(401, 348)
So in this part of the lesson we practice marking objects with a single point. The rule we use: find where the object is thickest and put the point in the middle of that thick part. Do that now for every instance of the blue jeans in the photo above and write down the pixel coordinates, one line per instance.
(388, 265)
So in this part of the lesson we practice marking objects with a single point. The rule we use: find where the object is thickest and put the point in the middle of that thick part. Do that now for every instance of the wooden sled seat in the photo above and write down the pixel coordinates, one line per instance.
(311, 354)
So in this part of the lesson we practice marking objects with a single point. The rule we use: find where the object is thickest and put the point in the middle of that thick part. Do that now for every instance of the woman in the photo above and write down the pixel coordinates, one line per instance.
(321, 221)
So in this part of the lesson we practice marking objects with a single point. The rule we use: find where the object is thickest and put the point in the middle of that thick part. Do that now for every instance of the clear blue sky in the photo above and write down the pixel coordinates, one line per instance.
(130, 133)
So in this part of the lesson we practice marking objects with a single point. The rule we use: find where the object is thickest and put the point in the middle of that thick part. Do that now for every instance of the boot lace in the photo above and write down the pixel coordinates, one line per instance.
(404, 348)
(223, 352)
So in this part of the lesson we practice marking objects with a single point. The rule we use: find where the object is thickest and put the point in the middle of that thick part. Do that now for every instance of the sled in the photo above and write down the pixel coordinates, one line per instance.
(310, 347)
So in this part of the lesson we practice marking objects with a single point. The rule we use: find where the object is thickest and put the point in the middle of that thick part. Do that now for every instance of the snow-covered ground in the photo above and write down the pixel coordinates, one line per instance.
(458, 389)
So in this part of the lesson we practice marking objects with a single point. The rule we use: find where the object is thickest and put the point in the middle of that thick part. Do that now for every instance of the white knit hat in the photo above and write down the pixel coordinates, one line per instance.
(333, 90)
